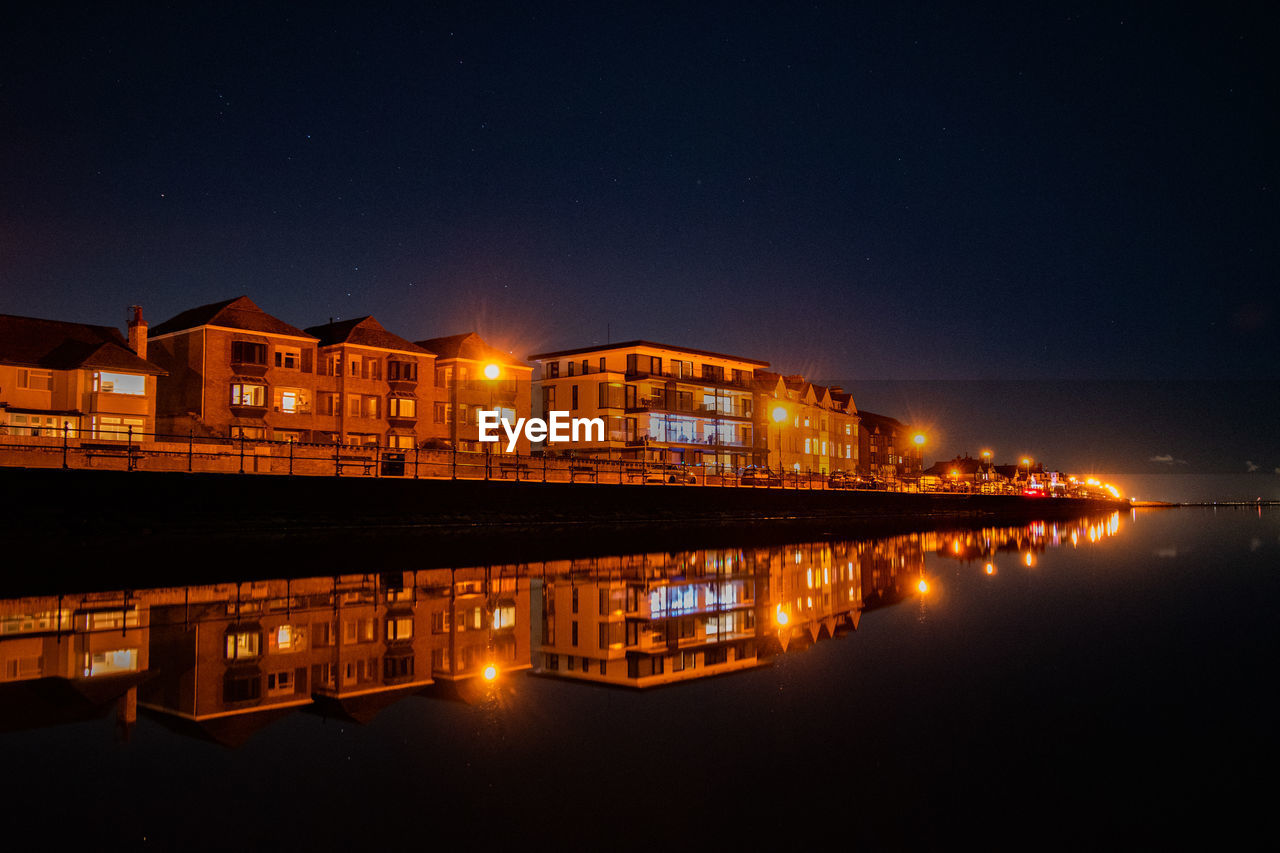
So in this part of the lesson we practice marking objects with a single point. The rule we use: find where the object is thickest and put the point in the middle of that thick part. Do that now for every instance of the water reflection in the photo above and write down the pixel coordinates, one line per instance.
(221, 661)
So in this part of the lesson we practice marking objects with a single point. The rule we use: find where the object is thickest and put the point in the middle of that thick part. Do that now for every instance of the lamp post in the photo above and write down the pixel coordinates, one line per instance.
(779, 415)
(986, 468)
(1026, 461)
(491, 373)
(919, 442)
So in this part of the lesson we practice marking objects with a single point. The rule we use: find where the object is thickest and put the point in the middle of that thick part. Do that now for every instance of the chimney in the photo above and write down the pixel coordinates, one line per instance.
(137, 331)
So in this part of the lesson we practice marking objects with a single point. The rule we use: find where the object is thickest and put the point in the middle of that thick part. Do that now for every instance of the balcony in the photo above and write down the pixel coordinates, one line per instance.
(742, 410)
(745, 382)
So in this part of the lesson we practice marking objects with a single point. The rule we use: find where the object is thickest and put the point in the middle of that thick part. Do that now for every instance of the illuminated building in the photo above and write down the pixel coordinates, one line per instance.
(886, 452)
(659, 403)
(805, 427)
(86, 380)
(464, 386)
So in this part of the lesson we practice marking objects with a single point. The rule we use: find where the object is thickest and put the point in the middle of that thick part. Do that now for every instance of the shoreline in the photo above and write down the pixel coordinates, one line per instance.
(158, 528)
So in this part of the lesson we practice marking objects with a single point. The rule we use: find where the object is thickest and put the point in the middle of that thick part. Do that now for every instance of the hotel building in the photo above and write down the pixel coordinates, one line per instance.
(659, 403)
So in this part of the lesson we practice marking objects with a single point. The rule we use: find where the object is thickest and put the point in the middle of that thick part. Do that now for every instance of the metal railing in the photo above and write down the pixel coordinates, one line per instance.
(133, 450)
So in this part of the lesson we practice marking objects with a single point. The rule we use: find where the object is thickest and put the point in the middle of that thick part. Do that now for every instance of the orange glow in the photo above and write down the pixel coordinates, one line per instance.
(991, 569)
(491, 371)
(779, 414)
(919, 439)
(923, 586)
(490, 672)
(1029, 560)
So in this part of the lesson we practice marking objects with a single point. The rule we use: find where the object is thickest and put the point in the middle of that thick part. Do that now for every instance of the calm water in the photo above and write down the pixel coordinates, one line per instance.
(1093, 682)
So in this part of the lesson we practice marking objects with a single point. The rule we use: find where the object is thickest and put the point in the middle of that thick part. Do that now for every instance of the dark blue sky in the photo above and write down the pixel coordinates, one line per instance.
(861, 191)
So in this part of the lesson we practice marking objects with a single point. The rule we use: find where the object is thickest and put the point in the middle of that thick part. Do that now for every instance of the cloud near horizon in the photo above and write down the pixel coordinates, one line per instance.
(1250, 466)
(1167, 459)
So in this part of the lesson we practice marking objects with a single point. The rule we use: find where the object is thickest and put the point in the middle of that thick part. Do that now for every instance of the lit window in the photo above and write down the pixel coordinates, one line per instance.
(403, 407)
(288, 358)
(243, 644)
(400, 628)
(243, 394)
(119, 383)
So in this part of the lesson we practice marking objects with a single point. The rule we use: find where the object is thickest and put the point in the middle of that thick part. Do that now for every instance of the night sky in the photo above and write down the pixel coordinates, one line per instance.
(856, 192)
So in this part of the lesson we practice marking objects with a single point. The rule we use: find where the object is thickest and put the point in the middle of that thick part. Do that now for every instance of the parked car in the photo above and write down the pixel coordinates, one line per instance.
(841, 480)
(673, 475)
(758, 475)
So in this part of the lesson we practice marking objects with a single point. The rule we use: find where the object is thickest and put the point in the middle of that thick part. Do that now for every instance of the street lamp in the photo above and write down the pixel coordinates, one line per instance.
(779, 415)
(919, 440)
(491, 373)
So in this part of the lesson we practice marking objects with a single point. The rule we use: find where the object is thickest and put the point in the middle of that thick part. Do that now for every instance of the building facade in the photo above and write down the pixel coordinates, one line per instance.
(85, 381)
(236, 371)
(471, 376)
(803, 427)
(887, 452)
(659, 403)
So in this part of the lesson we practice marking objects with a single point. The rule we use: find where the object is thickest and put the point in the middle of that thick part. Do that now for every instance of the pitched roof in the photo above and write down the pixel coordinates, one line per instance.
(57, 345)
(470, 346)
(870, 418)
(238, 313)
(362, 331)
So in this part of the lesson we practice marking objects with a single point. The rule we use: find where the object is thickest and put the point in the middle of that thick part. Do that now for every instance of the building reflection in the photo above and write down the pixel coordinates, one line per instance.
(222, 661)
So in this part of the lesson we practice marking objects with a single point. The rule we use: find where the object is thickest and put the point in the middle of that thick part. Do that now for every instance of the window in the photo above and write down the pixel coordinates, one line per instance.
(109, 663)
(35, 380)
(329, 404)
(243, 644)
(402, 407)
(244, 394)
(574, 633)
(353, 405)
(504, 616)
(247, 352)
(242, 688)
(280, 682)
(116, 429)
(574, 398)
(119, 383)
(441, 413)
(399, 628)
(291, 401)
(602, 364)
(570, 369)
(402, 371)
(553, 370)
(400, 442)
(290, 358)
(357, 631)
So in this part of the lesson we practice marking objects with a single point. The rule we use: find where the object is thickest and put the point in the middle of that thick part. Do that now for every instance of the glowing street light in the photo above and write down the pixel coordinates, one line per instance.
(919, 439)
(779, 414)
(780, 616)
(492, 371)
(490, 672)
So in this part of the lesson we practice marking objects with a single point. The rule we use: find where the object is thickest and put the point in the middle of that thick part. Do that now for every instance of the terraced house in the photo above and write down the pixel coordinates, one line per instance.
(803, 427)
(660, 403)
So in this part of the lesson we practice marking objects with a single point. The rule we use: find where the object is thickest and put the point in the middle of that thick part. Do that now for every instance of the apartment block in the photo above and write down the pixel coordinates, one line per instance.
(660, 403)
